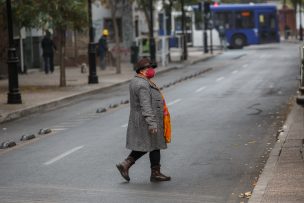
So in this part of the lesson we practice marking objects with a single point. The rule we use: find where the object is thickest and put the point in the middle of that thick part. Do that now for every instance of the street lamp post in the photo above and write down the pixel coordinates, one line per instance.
(301, 28)
(13, 96)
(184, 37)
(152, 40)
(93, 78)
(205, 37)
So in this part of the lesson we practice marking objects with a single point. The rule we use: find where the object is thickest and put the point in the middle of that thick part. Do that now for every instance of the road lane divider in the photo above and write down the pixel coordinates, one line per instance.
(61, 156)
(245, 65)
(124, 125)
(219, 79)
(27, 137)
(235, 72)
(263, 56)
(9, 144)
(200, 89)
(174, 102)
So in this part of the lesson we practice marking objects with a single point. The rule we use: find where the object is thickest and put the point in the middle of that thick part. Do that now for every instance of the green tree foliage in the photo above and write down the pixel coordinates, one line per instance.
(58, 15)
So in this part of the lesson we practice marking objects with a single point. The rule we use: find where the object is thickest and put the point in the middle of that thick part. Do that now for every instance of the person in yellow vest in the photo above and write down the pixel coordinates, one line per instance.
(102, 49)
(149, 128)
(145, 46)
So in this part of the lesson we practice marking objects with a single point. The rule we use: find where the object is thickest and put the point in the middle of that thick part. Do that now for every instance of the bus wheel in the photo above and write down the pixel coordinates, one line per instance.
(238, 41)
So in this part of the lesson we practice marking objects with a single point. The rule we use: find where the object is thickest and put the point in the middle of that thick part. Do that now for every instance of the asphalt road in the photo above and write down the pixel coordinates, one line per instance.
(224, 125)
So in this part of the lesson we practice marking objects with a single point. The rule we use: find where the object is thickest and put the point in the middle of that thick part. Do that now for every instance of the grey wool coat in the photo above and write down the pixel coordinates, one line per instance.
(146, 112)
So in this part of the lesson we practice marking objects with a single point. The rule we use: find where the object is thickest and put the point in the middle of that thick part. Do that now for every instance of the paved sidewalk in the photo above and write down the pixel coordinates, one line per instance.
(282, 180)
(40, 92)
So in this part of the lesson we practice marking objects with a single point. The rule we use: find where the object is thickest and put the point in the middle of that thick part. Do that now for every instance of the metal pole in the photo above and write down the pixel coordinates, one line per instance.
(205, 29)
(301, 28)
(13, 96)
(211, 42)
(152, 40)
(93, 78)
(184, 37)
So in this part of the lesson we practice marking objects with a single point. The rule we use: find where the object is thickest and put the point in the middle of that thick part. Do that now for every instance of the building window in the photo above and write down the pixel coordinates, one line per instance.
(108, 24)
(178, 23)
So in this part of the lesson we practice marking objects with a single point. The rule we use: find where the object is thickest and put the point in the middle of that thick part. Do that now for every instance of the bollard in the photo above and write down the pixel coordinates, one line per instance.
(44, 131)
(101, 110)
(6, 145)
(300, 100)
(27, 137)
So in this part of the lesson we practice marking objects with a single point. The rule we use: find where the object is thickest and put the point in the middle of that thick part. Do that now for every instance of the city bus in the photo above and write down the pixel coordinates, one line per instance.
(246, 24)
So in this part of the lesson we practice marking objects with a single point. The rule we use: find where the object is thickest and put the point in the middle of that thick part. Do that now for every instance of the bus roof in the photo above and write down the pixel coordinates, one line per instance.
(243, 6)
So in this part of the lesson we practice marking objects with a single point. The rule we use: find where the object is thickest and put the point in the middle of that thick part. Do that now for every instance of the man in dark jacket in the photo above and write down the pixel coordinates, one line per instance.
(48, 45)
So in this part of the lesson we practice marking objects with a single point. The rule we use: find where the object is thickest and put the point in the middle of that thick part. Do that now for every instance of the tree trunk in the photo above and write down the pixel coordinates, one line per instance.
(117, 38)
(62, 57)
(75, 45)
(143, 5)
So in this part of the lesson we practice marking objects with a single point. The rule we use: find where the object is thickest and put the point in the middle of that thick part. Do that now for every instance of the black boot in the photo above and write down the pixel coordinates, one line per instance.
(124, 166)
(157, 176)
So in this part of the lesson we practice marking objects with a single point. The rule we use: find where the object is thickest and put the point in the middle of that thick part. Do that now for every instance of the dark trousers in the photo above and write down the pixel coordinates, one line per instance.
(48, 63)
(154, 156)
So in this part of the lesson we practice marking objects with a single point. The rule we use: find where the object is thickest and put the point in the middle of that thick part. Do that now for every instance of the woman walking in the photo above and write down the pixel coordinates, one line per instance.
(149, 128)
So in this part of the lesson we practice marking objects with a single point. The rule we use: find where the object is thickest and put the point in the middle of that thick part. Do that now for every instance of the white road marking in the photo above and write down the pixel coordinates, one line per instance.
(219, 79)
(174, 102)
(263, 56)
(70, 125)
(245, 65)
(84, 118)
(124, 126)
(59, 126)
(58, 129)
(63, 155)
(200, 89)
(234, 72)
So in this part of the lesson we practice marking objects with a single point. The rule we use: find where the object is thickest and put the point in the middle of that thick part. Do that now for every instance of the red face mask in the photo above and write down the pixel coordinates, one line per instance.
(150, 73)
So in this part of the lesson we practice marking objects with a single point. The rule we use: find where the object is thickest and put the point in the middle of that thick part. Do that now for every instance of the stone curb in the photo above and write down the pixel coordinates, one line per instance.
(63, 101)
(267, 174)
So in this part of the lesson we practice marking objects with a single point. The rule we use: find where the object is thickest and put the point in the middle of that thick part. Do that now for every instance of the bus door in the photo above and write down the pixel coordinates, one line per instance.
(267, 27)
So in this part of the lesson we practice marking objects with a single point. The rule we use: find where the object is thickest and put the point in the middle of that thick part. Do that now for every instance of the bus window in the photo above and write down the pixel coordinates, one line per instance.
(244, 20)
(224, 19)
(262, 21)
(272, 22)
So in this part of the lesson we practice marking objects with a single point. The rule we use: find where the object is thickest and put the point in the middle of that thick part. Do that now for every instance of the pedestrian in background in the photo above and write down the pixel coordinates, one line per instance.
(48, 48)
(102, 49)
(222, 36)
(149, 128)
